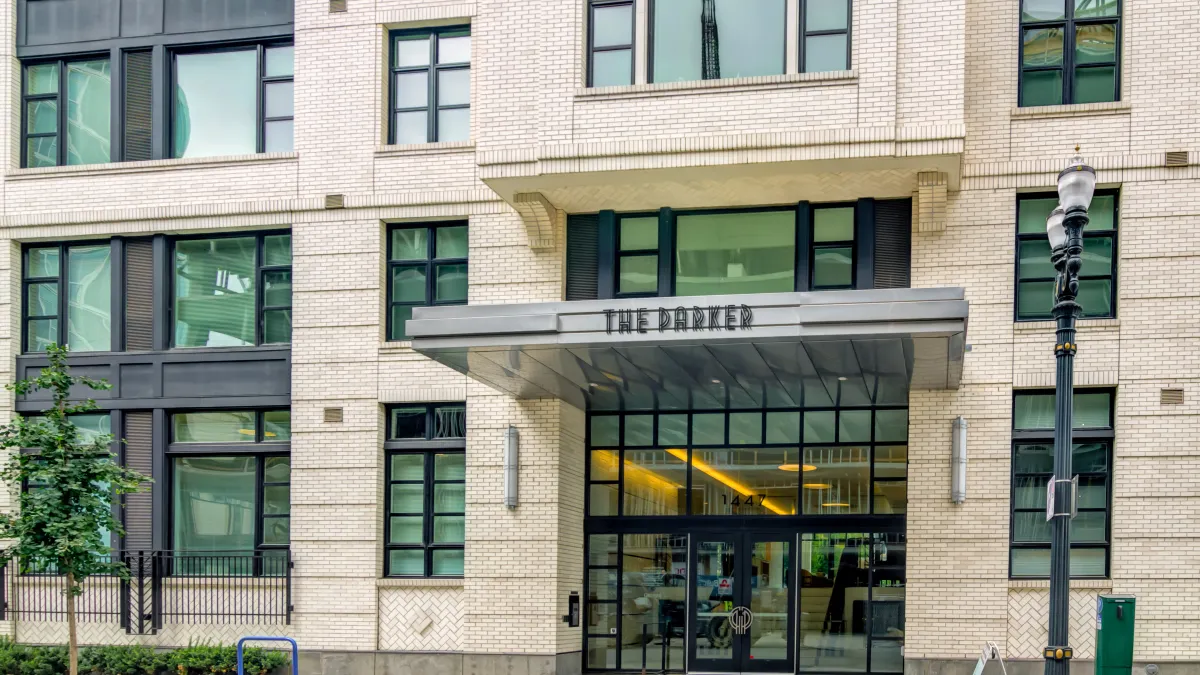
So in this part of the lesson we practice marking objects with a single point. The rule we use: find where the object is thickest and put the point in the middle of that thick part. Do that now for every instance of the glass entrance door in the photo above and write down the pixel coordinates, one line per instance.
(742, 603)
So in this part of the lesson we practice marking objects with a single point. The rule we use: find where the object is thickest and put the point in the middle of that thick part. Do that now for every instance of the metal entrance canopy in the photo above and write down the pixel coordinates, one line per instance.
(846, 348)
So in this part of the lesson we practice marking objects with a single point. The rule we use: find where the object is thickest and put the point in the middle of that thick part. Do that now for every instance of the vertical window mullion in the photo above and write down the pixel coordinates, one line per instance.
(64, 304)
(431, 104)
(260, 103)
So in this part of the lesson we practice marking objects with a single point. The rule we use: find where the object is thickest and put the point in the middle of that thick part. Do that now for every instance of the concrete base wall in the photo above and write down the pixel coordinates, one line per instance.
(415, 663)
(1036, 667)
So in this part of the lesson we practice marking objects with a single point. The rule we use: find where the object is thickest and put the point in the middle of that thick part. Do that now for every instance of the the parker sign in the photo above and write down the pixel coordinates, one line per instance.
(679, 319)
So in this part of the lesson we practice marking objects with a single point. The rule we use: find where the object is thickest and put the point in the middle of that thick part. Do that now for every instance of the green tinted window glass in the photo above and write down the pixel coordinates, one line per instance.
(1042, 47)
(447, 562)
(708, 429)
(41, 117)
(277, 469)
(1033, 259)
(1043, 10)
(277, 288)
(1102, 214)
(1041, 87)
(277, 250)
(639, 274)
(761, 258)
(613, 68)
(783, 427)
(1086, 9)
(449, 529)
(1097, 256)
(408, 467)
(449, 498)
(639, 233)
(408, 284)
(833, 268)
(826, 15)
(819, 426)
(43, 262)
(406, 562)
(1032, 214)
(672, 429)
(408, 498)
(89, 107)
(451, 466)
(277, 425)
(612, 26)
(451, 283)
(410, 50)
(280, 61)
(42, 299)
(41, 152)
(854, 426)
(230, 426)
(1095, 43)
(214, 292)
(891, 426)
(406, 529)
(1035, 299)
(751, 39)
(277, 326)
(1036, 411)
(1092, 410)
(451, 242)
(216, 104)
(832, 225)
(276, 499)
(89, 302)
(1095, 296)
(41, 334)
(410, 243)
(639, 430)
(606, 431)
(41, 79)
(1095, 84)
(213, 501)
(745, 428)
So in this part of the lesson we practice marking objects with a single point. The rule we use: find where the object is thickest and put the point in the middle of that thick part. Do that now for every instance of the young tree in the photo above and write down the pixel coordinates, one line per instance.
(59, 524)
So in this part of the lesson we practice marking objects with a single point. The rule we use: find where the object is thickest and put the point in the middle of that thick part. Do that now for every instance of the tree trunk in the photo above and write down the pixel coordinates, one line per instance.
(72, 638)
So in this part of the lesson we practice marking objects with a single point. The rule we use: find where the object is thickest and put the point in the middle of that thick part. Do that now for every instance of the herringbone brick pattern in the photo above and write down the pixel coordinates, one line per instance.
(1028, 612)
(420, 619)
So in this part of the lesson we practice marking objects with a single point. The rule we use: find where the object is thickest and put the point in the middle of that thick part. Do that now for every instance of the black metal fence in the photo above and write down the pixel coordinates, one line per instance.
(164, 587)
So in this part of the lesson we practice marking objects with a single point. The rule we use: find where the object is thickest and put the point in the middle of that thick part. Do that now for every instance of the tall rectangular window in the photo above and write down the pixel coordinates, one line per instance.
(75, 96)
(1036, 274)
(832, 262)
(431, 86)
(68, 297)
(637, 255)
(610, 43)
(426, 490)
(231, 501)
(232, 101)
(1033, 467)
(427, 265)
(825, 35)
(1070, 51)
(715, 39)
(233, 291)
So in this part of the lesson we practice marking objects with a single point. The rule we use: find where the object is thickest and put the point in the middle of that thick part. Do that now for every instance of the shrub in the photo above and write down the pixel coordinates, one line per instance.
(196, 659)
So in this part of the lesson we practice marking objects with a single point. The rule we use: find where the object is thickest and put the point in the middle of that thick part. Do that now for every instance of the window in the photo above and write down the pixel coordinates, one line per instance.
(637, 255)
(1032, 467)
(426, 490)
(427, 265)
(234, 101)
(825, 35)
(1035, 273)
(714, 39)
(775, 462)
(1070, 51)
(833, 248)
(431, 85)
(233, 291)
(230, 481)
(84, 112)
(761, 259)
(82, 316)
(610, 38)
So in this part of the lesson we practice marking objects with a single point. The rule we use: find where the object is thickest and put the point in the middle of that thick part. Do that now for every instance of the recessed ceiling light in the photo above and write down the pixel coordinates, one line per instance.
(716, 381)
(790, 467)
(810, 467)
(836, 504)
(841, 379)
(816, 486)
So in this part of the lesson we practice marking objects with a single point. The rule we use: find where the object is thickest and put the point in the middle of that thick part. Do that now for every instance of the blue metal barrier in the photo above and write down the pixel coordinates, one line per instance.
(295, 651)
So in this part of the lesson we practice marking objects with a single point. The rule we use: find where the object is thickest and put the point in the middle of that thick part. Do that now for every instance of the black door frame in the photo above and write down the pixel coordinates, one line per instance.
(743, 572)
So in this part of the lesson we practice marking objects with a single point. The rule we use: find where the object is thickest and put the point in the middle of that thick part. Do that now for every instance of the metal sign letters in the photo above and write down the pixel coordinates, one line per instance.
(680, 319)
(740, 619)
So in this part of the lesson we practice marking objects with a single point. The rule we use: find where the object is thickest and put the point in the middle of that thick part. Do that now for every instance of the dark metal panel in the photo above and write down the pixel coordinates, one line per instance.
(66, 21)
(893, 243)
(139, 456)
(141, 17)
(666, 252)
(864, 242)
(116, 120)
(803, 243)
(253, 34)
(117, 298)
(137, 106)
(218, 377)
(159, 105)
(581, 257)
(188, 16)
(606, 262)
(161, 291)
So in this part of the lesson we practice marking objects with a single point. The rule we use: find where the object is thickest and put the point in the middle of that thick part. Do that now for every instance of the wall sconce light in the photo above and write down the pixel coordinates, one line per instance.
(512, 443)
(958, 460)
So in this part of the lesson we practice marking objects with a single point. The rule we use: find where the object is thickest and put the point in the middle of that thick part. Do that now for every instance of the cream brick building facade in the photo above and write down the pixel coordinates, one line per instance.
(928, 111)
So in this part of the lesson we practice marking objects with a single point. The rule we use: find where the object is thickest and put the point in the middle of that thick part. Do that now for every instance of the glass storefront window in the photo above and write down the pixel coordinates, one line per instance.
(653, 600)
(213, 503)
(760, 259)
(839, 482)
(833, 602)
(655, 483)
(738, 481)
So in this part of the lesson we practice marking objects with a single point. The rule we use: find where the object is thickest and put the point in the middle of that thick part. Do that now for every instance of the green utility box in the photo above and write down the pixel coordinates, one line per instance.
(1114, 634)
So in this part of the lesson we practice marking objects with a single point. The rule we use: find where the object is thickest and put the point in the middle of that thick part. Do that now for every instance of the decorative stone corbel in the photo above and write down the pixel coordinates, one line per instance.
(541, 218)
(929, 202)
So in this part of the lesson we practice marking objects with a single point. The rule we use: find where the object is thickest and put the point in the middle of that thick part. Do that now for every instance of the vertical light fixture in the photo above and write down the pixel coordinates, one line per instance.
(512, 444)
(958, 460)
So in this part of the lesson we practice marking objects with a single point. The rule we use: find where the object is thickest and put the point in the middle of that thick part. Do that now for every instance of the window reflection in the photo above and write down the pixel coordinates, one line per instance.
(833, 602)
(761, 259)
(743, 481)
(216, 104)
(714, 39)
(653, 600)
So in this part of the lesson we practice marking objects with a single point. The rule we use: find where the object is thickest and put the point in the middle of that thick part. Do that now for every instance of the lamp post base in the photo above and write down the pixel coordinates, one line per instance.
(1058, 660)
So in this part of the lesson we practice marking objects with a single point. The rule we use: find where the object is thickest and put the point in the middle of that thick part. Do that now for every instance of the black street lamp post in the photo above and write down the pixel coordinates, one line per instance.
(1064, 227)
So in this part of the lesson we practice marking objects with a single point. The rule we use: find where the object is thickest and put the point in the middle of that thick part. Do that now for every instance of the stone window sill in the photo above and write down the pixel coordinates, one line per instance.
(448, 148)
(418, 582)
(787, 81)
(113, 168)
(1040, 326)
(1074, 110)
(1101, 584)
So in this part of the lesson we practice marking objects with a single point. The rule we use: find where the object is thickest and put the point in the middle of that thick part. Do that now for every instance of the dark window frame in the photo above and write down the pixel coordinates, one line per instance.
(429, 264)
(815, 246)
(260, 308)
(63, 283)
(1088, 233)
(428, 447)
(60, 97)
(650, 48)
(259, 47)
(805, 34)
(621, 254)
(1105, 435)
(592, 49)
(1068, 68)
(431, 69)
(259, 448)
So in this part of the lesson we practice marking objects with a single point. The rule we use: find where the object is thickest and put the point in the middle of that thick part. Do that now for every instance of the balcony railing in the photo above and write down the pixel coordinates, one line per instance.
(164, 587)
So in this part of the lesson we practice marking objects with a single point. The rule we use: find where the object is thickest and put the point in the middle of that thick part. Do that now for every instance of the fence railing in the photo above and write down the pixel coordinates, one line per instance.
(164, 587)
